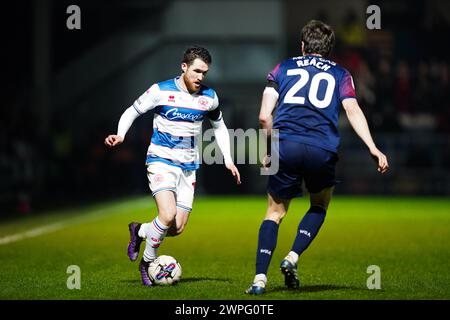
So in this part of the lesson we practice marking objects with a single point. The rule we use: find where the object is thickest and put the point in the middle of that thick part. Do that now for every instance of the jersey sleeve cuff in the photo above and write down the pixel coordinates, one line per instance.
(347, 97)
(272, 91)
(136, 108)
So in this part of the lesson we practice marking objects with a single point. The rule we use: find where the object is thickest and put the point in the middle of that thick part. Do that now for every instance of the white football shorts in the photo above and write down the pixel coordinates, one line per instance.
(164, 177)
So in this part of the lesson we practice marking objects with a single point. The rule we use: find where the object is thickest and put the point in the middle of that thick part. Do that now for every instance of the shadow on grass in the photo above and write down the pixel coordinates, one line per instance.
(204, 279)
(131, 281)
(187, 280)
(314, 288)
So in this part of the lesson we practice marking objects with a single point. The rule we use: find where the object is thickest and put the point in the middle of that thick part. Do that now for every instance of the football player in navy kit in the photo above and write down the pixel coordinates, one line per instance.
(305, 95)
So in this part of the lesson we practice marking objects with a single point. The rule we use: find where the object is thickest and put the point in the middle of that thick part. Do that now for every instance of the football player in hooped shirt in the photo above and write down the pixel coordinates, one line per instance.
(180, 106)
(306, 94)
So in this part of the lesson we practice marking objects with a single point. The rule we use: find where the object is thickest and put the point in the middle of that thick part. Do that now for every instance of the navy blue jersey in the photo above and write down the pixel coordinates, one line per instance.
(311, 90)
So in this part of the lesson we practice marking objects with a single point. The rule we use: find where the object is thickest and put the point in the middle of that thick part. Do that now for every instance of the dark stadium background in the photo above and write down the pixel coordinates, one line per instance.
(63, 91)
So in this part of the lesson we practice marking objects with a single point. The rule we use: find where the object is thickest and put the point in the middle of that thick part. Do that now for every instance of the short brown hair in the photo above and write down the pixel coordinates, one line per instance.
(318, 37)
(195, 52)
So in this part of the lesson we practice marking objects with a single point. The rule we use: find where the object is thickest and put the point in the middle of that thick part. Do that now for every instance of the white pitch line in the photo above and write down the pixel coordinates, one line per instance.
(32, 233)
(35, 232)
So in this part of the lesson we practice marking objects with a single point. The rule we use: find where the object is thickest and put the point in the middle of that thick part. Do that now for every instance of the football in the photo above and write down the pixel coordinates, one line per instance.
(165, 270)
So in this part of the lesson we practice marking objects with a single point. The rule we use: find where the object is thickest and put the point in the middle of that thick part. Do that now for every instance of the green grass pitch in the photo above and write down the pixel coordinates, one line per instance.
(408, 238)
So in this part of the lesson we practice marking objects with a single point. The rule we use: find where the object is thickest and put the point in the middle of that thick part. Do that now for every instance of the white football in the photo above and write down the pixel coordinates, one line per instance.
(165, 270)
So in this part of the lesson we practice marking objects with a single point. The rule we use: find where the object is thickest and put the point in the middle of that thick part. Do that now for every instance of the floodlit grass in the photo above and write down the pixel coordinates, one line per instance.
(406, 237)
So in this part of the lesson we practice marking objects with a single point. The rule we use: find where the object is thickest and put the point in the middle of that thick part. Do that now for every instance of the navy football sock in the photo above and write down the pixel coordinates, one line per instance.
(308, 229)
(267, 241)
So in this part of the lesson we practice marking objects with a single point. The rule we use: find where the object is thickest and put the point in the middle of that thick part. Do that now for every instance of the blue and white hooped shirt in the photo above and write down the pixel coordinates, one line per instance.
(177, 121)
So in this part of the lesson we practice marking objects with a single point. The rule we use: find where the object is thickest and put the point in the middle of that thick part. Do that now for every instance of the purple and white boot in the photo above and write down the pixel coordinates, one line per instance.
(135, 241)
(143, 269)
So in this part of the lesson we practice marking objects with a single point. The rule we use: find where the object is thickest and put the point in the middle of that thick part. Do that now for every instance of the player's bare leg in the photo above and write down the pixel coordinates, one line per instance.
(267, 239)
(322, 198)
(276, 208)
(155, 231)
(181, 220)
(308, 229)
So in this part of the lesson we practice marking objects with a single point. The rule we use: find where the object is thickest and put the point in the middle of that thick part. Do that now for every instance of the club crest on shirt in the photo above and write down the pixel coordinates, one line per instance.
(203, 102)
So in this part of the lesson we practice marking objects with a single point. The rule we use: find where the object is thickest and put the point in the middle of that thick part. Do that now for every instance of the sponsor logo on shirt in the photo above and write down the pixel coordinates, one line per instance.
(174, 114)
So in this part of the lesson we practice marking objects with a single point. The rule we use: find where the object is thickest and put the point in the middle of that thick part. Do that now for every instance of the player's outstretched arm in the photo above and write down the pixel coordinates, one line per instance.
(125, 122)
(359, 124)
(223, 141)
(234, 172)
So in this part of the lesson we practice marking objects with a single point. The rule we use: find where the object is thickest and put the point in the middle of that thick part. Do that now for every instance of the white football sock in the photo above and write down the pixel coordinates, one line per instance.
(144, 229)
(260, 280)
(292, 256)
(155, 232)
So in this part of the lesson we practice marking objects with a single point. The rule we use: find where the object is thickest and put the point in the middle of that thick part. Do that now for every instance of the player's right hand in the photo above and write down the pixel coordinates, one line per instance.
(266, 161)
(381, 160)
(113, 140)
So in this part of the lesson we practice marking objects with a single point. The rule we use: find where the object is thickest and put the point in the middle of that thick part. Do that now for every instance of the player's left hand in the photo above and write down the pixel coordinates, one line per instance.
(234, 172)
(381, 160)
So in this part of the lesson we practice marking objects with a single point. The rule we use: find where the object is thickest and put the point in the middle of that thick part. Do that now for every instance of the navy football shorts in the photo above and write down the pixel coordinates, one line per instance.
(297, 162)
